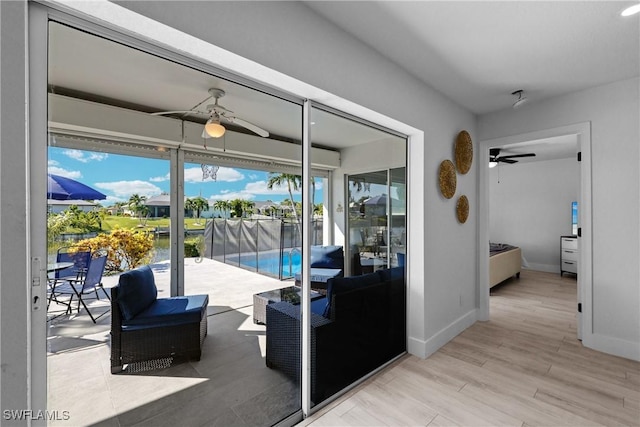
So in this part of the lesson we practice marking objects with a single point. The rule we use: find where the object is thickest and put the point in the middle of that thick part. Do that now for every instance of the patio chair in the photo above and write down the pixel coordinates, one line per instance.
(80, 260)
(88, 283)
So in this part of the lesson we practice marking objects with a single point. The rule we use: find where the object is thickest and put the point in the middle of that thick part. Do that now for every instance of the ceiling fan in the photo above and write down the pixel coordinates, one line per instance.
(495, 157)
(217, 114)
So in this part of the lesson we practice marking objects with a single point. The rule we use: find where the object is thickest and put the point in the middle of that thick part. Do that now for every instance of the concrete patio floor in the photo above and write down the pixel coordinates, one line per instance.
(230, 385)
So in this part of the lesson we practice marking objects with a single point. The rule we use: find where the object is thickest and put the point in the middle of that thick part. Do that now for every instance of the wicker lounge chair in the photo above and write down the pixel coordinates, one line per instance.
(356, 328)
(149, 332)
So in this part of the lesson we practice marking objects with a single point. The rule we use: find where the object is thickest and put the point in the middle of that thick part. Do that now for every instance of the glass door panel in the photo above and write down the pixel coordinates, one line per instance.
(398, 217)
(357, 320)
(368, 219)
(156, 159)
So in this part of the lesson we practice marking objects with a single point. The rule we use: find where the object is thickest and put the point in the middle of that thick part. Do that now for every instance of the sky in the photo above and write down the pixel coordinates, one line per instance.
(120, 176)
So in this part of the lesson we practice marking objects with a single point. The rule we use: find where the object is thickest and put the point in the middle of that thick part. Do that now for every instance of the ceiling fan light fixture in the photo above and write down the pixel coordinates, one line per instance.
(213, 128)
(521, 99)
(493, 164)
(631, 10)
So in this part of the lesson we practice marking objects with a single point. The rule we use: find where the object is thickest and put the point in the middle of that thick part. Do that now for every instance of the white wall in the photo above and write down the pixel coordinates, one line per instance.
(291, 38)
(613, 111)
(530, 207)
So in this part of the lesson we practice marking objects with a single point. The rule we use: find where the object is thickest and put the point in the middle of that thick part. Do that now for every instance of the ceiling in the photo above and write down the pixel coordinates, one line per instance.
(90, 67)
(478, 52)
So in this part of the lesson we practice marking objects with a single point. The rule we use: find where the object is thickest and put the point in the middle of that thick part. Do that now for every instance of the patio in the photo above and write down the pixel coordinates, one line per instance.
(230, 385)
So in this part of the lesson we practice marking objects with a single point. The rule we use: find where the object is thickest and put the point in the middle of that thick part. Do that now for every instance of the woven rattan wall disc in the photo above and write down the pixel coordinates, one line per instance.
(462, 209)
(447, 178)
(463, 152)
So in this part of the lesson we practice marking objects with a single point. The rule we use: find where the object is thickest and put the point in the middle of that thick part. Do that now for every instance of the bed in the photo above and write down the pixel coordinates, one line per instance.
(504, 262)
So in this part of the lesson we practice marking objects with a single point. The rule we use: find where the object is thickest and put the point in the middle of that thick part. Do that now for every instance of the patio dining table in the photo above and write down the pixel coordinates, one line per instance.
(57, 266)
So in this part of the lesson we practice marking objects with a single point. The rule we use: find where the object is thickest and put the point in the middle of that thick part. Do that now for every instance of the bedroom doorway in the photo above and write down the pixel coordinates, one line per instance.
(520, 148)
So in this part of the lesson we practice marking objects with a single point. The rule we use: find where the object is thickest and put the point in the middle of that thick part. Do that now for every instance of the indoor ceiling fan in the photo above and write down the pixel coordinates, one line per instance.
(217, 115)
(495, 157)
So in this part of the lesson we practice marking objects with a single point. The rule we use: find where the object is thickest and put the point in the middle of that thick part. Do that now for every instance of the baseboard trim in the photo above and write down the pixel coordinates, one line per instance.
(547, 268)
(611, 345)
(425, 348)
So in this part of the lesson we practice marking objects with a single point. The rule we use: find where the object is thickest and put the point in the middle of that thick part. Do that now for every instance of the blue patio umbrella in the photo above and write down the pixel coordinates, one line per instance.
(62, 188)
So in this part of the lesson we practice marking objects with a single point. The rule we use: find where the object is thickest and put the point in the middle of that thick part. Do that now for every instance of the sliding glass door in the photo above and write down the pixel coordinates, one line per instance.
(271, 337)
(357, 319)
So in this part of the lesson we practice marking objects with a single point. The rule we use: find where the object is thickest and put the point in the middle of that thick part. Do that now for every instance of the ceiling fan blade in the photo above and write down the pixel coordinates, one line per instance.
(245, 124)
(518, 155)
(503, 160)
(162, 113)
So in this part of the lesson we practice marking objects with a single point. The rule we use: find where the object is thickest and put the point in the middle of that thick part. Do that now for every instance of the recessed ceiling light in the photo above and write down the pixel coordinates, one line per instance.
(631, 10)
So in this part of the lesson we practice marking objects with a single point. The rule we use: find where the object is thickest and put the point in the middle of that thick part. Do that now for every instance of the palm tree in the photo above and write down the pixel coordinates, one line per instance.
(197, 205)
(247, 207)
(189, 205)
(223, 206)
(293, 184)
(241, 207)
(137, 205)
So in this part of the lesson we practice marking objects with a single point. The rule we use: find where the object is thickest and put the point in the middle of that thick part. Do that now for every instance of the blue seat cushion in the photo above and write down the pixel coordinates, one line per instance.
(137, 291)
(319, 305)
(321, 275)
(337, 285)
(327, 257)
(170, 311)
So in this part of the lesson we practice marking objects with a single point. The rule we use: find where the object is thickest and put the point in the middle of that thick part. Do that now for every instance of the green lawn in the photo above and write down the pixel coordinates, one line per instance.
(111, 222)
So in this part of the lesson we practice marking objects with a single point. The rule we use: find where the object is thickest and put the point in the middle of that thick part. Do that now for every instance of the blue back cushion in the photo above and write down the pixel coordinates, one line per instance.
(327, 257)
(391, 273)
(137, 291)
(343, 284)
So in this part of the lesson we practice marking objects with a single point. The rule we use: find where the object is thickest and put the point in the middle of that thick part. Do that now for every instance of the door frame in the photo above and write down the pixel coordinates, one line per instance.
(585, 245)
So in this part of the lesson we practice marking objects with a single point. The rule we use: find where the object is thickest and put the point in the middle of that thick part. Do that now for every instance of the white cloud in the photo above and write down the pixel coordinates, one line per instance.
(260, 187)
(63, 172)
(251, 190)
(124, 189)
(160, 178)
(224, 174)
(233, 195)
(84, 156)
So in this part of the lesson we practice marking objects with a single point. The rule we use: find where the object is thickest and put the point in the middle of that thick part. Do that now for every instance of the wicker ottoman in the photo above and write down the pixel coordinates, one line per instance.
(290, 294)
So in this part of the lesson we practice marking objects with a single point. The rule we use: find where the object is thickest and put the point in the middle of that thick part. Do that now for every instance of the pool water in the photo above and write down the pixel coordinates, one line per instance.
(270, 263)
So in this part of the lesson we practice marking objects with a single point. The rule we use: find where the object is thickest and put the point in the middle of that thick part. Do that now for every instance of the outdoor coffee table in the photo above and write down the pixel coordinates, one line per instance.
(291, 294)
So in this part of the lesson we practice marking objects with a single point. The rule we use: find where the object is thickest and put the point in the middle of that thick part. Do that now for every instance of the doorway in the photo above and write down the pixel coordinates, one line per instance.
(582, 133)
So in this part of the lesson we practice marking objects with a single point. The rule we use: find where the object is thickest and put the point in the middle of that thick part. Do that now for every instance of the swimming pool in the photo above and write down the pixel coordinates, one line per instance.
(271, 262)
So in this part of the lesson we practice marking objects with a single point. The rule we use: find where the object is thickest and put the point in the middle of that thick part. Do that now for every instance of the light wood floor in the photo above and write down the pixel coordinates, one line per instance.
(524, 367)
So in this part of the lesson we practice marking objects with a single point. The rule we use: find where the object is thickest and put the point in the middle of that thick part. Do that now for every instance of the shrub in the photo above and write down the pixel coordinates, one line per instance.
(194, 247)
(56, 225)
(125, 249)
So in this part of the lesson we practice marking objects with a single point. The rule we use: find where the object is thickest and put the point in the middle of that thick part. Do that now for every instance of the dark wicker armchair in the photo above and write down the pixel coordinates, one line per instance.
(362, 328)
(149, 332)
